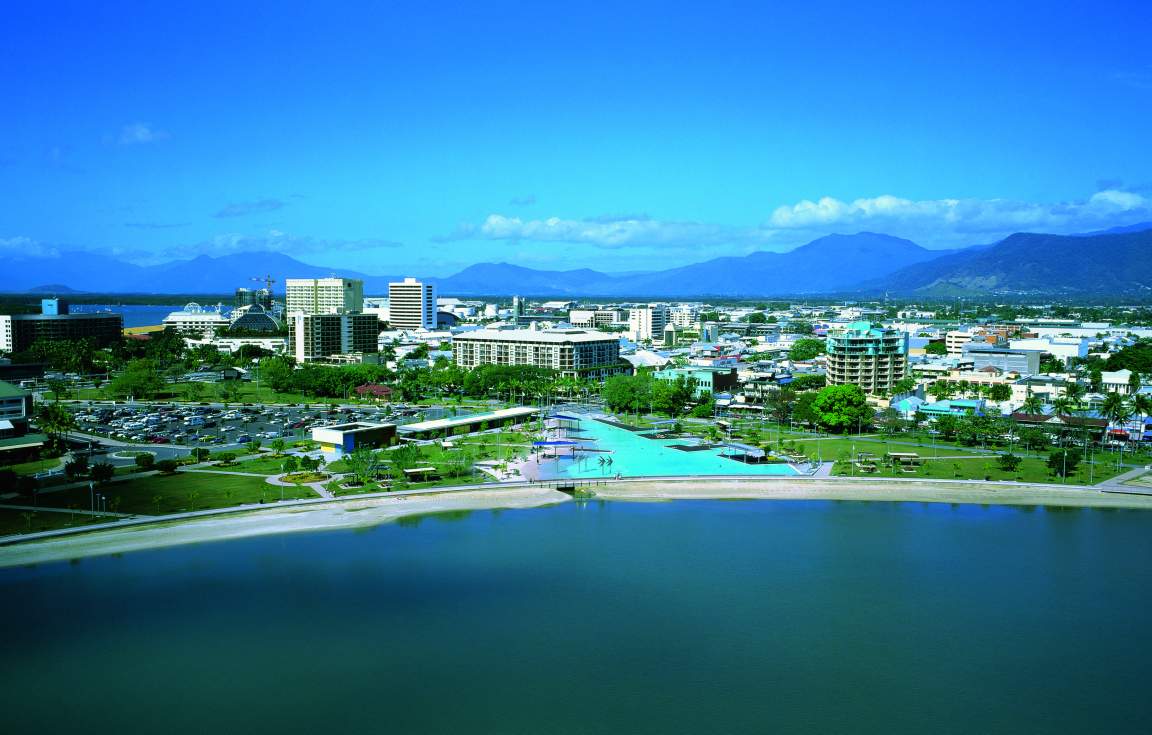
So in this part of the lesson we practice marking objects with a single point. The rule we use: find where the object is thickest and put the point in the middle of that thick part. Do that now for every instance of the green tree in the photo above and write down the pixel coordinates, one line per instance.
(145, 461)
(278, 445)
(806, 349)
(167, 466)
(1008, 462)
(841, 407)
(1063, 462)
(936, 348)
(289, 465)
(55, 421)
(1115, 408)
(254, 446)
(807, 381)
(904, 385)
(1033, 404)
(139, 379)
(804, 411)
(102, 472)
(76, 467)
(1096, 380)
(1000, 392)
(362, 464)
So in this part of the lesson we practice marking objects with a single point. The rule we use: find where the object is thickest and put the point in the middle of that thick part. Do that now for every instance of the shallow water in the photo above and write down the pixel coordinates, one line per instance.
(633, 455)
(684, 617)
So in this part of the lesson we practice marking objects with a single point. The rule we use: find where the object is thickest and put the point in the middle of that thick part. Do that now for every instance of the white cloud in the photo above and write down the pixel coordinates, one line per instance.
(139, 133)
(21, 246)
(950, 220)
(609, 232)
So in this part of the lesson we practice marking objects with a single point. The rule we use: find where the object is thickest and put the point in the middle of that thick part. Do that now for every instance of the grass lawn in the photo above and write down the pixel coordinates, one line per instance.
(264, 465)
(16, 521)
(979, 468)
(184, 491)
(31, 468)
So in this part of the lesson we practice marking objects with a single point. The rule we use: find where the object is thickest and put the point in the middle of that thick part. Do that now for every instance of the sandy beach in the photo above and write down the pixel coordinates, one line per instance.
(363, 512)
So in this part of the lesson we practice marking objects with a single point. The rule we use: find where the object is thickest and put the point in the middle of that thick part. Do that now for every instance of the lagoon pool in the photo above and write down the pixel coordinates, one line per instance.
(633, 455)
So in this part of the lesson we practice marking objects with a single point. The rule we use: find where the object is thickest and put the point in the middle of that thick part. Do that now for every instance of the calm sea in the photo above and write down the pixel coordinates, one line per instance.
(686, 617)
(135, 315)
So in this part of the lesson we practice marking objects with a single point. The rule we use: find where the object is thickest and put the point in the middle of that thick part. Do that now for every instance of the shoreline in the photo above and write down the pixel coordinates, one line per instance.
(347, 513)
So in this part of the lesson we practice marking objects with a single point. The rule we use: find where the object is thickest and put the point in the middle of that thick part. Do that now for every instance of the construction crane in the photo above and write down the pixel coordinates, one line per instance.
(268, 280)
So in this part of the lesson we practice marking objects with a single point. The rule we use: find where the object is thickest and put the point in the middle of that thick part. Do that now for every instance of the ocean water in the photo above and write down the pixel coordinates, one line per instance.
(684, 617)
(135, 315)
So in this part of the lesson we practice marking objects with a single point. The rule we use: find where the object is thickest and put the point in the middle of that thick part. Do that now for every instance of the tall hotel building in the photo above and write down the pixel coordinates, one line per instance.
(412, 305)
(648, 322)
(866, 355)
(324, 296)
(327, 318)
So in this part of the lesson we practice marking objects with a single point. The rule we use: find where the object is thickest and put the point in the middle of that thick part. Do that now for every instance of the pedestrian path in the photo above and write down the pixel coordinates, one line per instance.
(98, 513)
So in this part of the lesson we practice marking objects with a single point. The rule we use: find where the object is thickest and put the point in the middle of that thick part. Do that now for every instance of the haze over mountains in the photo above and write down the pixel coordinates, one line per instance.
(1113, 262)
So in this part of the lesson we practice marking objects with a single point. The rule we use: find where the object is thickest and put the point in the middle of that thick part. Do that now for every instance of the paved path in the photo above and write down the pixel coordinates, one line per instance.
(317, 487)
(44, 509)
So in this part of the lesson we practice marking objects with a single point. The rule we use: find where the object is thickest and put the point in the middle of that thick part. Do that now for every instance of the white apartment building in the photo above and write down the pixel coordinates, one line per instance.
(412, 305)
(595, 318)
(572, 352)
(684, 316)
(647, 322)
(324, 296)
(955, 341)
(196, 321)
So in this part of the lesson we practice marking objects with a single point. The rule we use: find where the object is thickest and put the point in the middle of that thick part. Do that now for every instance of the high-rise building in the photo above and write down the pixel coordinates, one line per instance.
(867, 355)
(412, 305)
(324, 296)
(648, 322)
(320, 336)
(571, 352)
(250, 296)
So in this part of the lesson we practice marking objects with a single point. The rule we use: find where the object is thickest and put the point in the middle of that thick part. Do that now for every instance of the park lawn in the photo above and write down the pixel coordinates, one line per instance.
(31, 468)
(264, 465)
(184, 491)
(16, 522)
(980, 468)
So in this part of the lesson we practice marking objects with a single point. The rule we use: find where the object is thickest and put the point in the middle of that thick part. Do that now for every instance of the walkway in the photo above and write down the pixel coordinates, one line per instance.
(98, 513)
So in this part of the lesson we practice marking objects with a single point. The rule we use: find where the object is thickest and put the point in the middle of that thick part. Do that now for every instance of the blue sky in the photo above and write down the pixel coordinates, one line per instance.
(417, 138)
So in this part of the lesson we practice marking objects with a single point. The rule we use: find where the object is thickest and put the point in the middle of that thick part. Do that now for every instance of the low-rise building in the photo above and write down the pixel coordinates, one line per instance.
(16, 442)
(338, 440)
(196, 321)
(571, 352)
(705, 381)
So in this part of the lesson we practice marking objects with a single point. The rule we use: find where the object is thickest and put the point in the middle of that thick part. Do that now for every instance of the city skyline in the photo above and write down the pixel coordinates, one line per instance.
(427, 140)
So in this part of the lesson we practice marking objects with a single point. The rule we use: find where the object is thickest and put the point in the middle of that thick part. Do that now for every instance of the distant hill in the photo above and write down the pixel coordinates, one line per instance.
(830, 264)
(52, 288)
(1116, 262)
(1119, 263)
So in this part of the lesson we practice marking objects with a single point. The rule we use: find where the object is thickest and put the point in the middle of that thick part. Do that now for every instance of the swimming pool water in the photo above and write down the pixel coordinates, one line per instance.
(633, 455)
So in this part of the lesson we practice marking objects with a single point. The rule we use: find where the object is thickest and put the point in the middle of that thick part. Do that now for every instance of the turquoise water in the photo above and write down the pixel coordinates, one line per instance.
(637, 618)
(633, 456)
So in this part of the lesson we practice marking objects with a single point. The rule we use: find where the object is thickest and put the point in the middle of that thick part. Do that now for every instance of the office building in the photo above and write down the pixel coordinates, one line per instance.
(324, 296)
(1005, 359)
(249, 296)
(647, 322)
(19, 331)
(411, 305)
(684, 316)
(571, 352)
(866, 355)
(596, 318)
(322, 336)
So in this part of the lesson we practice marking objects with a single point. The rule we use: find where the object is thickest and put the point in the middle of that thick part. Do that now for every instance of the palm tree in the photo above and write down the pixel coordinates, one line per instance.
(1075, 392)
(1063, 406)
(1033, 403)
(1142, 404)
(54, 420)
(1115, 408)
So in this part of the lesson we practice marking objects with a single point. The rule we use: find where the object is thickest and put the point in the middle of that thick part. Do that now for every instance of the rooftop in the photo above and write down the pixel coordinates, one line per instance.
(554, 336)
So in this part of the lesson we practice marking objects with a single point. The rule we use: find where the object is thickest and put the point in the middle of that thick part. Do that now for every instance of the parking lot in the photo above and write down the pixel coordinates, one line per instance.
(221, 427)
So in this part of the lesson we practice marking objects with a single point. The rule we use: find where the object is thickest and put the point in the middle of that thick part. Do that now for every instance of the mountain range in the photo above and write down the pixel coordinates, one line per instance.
(1111, 262)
